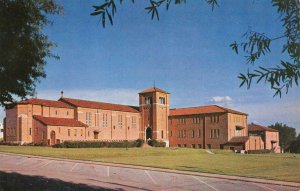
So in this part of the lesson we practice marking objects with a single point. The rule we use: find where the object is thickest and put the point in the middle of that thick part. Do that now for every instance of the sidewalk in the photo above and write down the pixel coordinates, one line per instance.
(227, 177)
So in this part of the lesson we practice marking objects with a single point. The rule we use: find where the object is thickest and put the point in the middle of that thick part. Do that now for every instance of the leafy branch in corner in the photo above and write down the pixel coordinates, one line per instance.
(286, 74)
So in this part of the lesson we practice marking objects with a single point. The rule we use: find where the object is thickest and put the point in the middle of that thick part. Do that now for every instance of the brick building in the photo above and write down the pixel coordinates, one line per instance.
(50, 122)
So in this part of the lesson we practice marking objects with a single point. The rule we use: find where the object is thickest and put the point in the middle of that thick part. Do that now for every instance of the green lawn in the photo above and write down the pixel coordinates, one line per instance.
(270, 166)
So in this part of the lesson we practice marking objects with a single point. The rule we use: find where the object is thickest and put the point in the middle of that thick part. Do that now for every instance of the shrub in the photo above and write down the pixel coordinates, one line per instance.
(99, 144)
(260, 151)
(155, 143)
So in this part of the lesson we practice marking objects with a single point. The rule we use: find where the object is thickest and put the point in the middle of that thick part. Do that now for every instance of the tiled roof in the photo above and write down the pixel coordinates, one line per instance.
(242, 139)
(153, 89)
(44, 102)
(255, 127)
(99, 105)
(59, 121)
(202, 110)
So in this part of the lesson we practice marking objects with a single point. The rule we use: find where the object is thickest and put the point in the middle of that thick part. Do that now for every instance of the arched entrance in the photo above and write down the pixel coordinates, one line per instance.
(52, 138)
(148, 133)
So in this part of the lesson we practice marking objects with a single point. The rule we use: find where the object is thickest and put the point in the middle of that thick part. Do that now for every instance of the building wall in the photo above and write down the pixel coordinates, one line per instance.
(216, 130)
(39, 133)
(255, 143)
(233, 121)
(63, 133)
(186, 131)
(272, 136)
(19, 125)
(109, 125)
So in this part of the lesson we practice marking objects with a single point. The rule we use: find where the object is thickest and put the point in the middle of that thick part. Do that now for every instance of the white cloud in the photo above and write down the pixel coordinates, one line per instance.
(221, 100)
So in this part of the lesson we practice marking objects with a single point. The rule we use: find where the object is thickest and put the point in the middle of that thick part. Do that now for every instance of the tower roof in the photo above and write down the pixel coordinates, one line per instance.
(154, 89)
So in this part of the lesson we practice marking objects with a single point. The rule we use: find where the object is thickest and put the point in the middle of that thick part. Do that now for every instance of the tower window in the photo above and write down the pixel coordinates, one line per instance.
(148, 100)
(162, 100)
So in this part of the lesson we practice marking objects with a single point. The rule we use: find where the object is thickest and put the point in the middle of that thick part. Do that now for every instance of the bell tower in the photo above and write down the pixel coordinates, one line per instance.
(154, 107)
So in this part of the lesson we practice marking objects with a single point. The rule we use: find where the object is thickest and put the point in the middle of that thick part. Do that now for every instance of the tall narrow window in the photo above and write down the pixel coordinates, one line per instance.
(104, 120)
(75, 132)
(81, 132)
(88, 118)
(29, 131)
(133, 121)
(193, 133)
(162, 134)
(69, 132)
(120, 121)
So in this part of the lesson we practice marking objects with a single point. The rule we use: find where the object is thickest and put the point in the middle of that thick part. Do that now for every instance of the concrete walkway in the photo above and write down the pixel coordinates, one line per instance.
(128, 177)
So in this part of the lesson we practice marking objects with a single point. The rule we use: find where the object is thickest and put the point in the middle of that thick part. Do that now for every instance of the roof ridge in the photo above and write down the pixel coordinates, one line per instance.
(97, 101)
(193, 107)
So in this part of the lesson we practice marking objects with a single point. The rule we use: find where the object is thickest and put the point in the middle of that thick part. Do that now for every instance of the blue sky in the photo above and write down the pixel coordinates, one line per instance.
(186, 53)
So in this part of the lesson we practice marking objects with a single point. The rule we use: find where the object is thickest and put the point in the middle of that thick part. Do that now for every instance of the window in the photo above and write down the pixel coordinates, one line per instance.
(193, 146)
(75, 132)
(162, 134)
(178, 145)
(104, 120)
(67, 113)
(133, 121)
(56, 112)
(81, 132)
(184, 145)
(69, 132)
(59, 130)
(193, 133)
(120, 121)
(199, 146)
(97, 123)
(29, 131)
(214, 133)
(162, 100)
(181, 120)
(88, 118)
(184, 133)
(148, 100)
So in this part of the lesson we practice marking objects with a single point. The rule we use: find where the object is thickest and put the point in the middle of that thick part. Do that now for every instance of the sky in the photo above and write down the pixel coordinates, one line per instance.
(186, 53)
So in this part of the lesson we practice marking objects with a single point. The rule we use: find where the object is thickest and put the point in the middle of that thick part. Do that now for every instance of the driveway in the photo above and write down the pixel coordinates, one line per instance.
(30, 173)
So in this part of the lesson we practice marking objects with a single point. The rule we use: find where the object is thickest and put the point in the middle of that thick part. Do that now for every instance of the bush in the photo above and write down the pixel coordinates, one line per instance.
(99, 144)
(260, 151)
(155, 143)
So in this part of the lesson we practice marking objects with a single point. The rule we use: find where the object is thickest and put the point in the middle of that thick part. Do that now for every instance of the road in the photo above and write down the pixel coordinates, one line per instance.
(30, 173)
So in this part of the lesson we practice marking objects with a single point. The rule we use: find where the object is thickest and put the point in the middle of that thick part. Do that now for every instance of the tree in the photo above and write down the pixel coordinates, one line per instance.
(23, 46)
(295, 145)
(256, 44)
(286, 134)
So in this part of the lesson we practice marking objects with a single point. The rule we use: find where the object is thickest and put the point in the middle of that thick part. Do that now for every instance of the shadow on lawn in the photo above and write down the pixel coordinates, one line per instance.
(19, 182)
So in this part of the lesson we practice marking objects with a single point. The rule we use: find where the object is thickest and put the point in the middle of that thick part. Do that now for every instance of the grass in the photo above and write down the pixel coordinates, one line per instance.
(269, 166)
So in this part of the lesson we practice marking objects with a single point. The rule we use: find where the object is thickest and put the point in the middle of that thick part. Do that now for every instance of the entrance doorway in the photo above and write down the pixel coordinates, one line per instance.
(148, 133)
(52, 138)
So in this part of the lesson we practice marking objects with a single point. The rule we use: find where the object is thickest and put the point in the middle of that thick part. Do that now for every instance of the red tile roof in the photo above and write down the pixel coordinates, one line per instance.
(44, 102)
(59, 121)
(154, 89)
(202, 110)
(242, 139)
(100, 105)
(256, 127)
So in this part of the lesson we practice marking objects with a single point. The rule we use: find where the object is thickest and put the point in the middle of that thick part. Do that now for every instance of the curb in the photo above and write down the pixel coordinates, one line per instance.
(209, 175)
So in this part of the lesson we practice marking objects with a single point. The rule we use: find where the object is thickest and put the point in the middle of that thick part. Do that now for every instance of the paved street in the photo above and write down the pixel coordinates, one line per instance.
(52, 174)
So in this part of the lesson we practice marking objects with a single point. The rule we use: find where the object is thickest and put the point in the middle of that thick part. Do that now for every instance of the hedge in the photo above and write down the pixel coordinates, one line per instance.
(260, 151)
(155, 143)
(99, 144)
